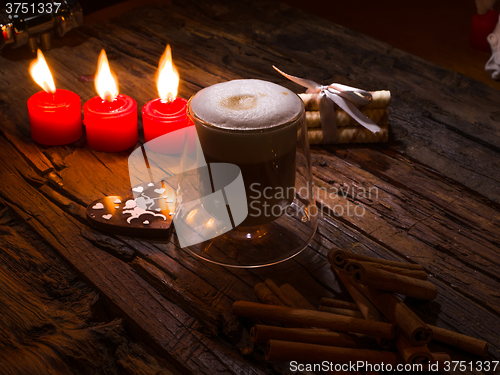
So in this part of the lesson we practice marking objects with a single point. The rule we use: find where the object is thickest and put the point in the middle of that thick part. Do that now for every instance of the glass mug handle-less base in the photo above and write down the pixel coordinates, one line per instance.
(266, 245)
(211, 214)
(248, 233)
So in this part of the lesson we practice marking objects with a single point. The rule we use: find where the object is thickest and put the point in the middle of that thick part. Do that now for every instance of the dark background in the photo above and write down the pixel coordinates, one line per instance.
(90, 6)
(437, 31)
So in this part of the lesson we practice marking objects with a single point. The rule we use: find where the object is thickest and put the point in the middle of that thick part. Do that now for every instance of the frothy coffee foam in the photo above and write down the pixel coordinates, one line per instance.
(246, 104)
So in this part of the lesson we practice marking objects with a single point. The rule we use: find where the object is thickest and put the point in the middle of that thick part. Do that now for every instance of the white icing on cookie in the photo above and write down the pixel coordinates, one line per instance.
(130, 204)
(138, 211)
(160, 191)
(117, 201)
(146, 222)
(107, 217)
(145, 202)
(138, 189)
(98, 206)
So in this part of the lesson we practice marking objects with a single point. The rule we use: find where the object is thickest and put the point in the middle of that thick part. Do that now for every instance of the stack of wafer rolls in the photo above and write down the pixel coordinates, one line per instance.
(348, 130)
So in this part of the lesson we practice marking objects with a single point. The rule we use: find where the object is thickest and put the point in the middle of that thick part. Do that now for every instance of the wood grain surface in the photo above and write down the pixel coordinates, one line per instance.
(428, 196)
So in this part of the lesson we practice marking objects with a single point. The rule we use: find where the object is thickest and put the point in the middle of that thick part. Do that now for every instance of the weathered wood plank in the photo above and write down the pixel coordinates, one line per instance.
(415, 228)
(51, 321)
(148, 314)
(444, 147)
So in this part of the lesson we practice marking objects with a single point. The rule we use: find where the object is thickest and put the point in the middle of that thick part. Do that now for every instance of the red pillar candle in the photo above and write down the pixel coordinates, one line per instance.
(55, 114)
(482, 26)
(167, 113)
(110, 119)
(160, 117)
(111, 126)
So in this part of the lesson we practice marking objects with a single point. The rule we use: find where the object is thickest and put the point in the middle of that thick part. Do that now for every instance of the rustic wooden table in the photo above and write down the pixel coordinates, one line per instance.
(429, 196)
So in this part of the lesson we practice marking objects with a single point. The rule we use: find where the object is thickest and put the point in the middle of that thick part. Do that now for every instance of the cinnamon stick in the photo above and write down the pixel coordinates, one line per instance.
(367, 308)
(265, 295)
(278, 293)
(338, 303)
(260, 334)
(410, 325)
(339, 258)
(345, 312)
(298, 300)
(458, 340)
(277, 350)
(413, 354)
(314, 319)
(440, 357)
(384, 280)
(417, 274)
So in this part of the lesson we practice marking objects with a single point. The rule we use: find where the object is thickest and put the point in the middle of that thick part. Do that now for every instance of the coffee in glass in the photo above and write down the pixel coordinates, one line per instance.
(250, 201)
(252, 124)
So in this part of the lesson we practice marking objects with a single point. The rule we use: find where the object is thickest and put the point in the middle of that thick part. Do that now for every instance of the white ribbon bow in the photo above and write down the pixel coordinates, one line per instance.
(342, 95)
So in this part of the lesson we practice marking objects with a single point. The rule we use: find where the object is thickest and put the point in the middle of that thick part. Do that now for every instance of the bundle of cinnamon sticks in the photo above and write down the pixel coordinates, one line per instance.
(373, 284)
(377, 327)
(348, 130)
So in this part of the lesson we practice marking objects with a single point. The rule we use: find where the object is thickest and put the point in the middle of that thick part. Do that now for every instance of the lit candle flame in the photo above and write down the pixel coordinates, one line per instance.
(40, 72)
(167, 79)
(106, 84)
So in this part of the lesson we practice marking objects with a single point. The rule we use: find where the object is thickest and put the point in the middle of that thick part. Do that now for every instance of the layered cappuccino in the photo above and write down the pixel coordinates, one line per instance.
(252, 124)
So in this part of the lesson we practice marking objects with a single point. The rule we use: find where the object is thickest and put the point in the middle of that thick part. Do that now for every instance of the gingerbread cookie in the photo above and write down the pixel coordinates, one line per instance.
(149, 214)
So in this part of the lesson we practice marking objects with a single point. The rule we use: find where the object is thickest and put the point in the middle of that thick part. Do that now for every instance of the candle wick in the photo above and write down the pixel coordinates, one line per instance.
(46, 88)
(108, 97)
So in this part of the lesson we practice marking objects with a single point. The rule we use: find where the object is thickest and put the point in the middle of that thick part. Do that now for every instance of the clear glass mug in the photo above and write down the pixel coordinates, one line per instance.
(246, 196)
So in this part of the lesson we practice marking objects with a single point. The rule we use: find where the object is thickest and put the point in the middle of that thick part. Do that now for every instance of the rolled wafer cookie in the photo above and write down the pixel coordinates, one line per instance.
(380, 99)
(377, 115)
(356, 134)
